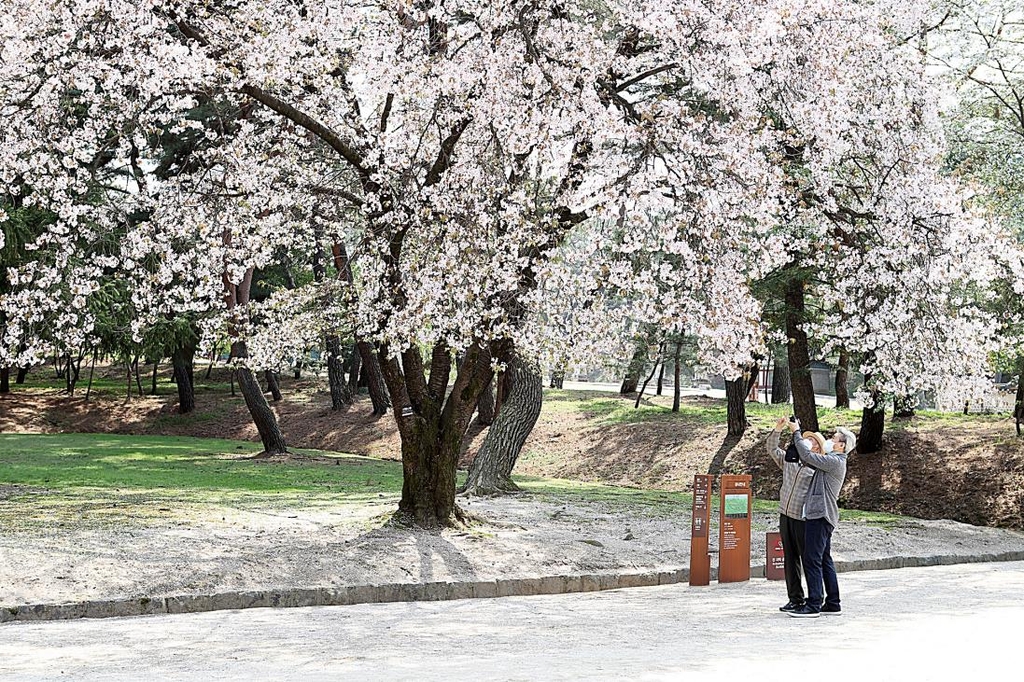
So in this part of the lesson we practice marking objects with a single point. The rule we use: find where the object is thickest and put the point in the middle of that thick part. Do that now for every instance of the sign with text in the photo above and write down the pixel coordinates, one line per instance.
(735, 504)
(775, 560)
(700, 559)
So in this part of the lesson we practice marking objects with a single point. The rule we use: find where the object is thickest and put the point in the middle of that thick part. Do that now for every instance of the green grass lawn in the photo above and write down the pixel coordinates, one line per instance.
(195, 469)
(79, 478)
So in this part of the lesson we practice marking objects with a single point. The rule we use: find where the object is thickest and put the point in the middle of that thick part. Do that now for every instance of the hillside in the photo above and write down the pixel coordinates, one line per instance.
(967, 468)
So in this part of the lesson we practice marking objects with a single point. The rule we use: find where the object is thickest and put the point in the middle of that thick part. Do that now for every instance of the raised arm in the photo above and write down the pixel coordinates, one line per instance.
(829, 463)
(777, 455)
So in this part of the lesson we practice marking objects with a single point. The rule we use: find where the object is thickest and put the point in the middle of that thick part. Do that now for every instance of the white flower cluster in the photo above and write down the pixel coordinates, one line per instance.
(557, 173)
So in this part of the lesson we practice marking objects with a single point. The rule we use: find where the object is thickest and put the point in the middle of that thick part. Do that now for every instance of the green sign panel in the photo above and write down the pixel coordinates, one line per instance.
(736, 506)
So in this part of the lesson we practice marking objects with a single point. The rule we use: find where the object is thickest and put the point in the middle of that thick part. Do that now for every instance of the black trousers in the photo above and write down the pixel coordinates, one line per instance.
(818, 566)
(792, 531)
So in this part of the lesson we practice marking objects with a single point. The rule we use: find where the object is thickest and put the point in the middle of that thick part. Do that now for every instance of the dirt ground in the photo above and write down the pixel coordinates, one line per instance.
(214, 550)
(933, 472)
(926, 469)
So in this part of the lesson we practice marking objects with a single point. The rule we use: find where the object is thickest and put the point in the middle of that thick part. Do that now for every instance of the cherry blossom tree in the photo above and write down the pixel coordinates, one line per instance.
(486, 165)
(979, 48)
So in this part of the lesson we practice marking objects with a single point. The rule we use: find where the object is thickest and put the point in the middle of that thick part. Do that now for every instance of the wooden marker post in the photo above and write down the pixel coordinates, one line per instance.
(735, 507)
(775, 559)
(700, 559)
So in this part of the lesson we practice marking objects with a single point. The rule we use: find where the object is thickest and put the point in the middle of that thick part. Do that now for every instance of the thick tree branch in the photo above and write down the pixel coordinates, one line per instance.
(446, 154)
(645, 75)
(331, 138)
(415, 379)
(440, 370)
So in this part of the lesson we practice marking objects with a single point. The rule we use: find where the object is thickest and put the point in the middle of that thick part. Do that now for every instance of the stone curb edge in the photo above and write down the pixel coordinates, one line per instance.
(433, 591)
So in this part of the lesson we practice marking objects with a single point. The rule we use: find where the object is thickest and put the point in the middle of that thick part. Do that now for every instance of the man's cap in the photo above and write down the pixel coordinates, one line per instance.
(851, 440)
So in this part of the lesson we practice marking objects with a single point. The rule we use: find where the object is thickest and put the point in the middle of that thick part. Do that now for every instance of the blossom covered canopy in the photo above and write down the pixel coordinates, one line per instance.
(591, 165)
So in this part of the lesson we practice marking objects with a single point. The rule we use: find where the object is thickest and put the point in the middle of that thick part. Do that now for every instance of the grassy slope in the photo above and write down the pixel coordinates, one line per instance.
(969, 468)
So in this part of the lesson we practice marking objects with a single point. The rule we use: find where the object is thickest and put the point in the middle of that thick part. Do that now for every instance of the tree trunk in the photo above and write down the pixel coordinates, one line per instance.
(182, 360)
(138, 379)
(128, 394)
(5, 379)
(152, 388)
(658, 360)
(485, 405)
(753, 376)
(74, 369)
(22, 374)
(903, 407)
(633, 372)
(736, 401)
(677, 389)
(491, 470)
(375, 379)
(432, 423)
(92, 369)
(336, 379)
(842, 381)
(213, 358)
(1018, 403)
(799, 357)
(259, 408)
(273, 384)
(661, 379)
(780, 380)
(499, 392)
(872, 426)
(355, 364)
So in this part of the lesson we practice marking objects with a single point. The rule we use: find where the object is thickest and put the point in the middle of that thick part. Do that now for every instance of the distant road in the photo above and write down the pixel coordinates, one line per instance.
(821, 400)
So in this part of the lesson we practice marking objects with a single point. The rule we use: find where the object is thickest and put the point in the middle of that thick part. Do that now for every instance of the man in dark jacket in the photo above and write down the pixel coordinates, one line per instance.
(796, 479)
(821, 511)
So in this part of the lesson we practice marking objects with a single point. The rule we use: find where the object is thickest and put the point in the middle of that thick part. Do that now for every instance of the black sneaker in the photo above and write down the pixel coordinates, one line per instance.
(832, 610)
(791, 606)
(805, 611)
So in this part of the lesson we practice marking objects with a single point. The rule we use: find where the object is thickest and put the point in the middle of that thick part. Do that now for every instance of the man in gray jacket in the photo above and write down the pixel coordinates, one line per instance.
(796, 479)
(821, 511)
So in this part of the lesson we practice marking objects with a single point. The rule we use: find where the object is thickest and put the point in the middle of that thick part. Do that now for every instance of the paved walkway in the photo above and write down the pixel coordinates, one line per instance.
(936, 623)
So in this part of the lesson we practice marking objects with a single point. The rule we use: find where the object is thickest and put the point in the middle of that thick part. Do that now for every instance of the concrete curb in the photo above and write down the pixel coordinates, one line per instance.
(434, 591)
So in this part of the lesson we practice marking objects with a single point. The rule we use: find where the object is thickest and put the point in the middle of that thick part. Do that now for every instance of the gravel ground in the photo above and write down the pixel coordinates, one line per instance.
(224, 549)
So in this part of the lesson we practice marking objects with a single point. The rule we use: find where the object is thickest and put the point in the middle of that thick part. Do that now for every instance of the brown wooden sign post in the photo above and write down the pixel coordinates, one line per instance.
(700, 559)
(734, 529)
(775, 559)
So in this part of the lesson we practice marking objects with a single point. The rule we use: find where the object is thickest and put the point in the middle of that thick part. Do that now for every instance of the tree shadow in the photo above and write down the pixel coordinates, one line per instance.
(718, 461)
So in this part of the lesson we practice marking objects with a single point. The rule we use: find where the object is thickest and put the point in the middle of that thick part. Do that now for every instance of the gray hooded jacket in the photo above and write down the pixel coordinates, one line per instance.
(823, 495)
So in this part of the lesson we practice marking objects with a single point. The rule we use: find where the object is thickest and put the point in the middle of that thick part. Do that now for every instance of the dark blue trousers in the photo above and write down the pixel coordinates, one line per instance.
(819, 570)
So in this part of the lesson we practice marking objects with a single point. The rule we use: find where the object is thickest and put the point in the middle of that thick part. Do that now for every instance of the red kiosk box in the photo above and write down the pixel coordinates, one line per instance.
(775, 559)
(700, 558)
(735, 506)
